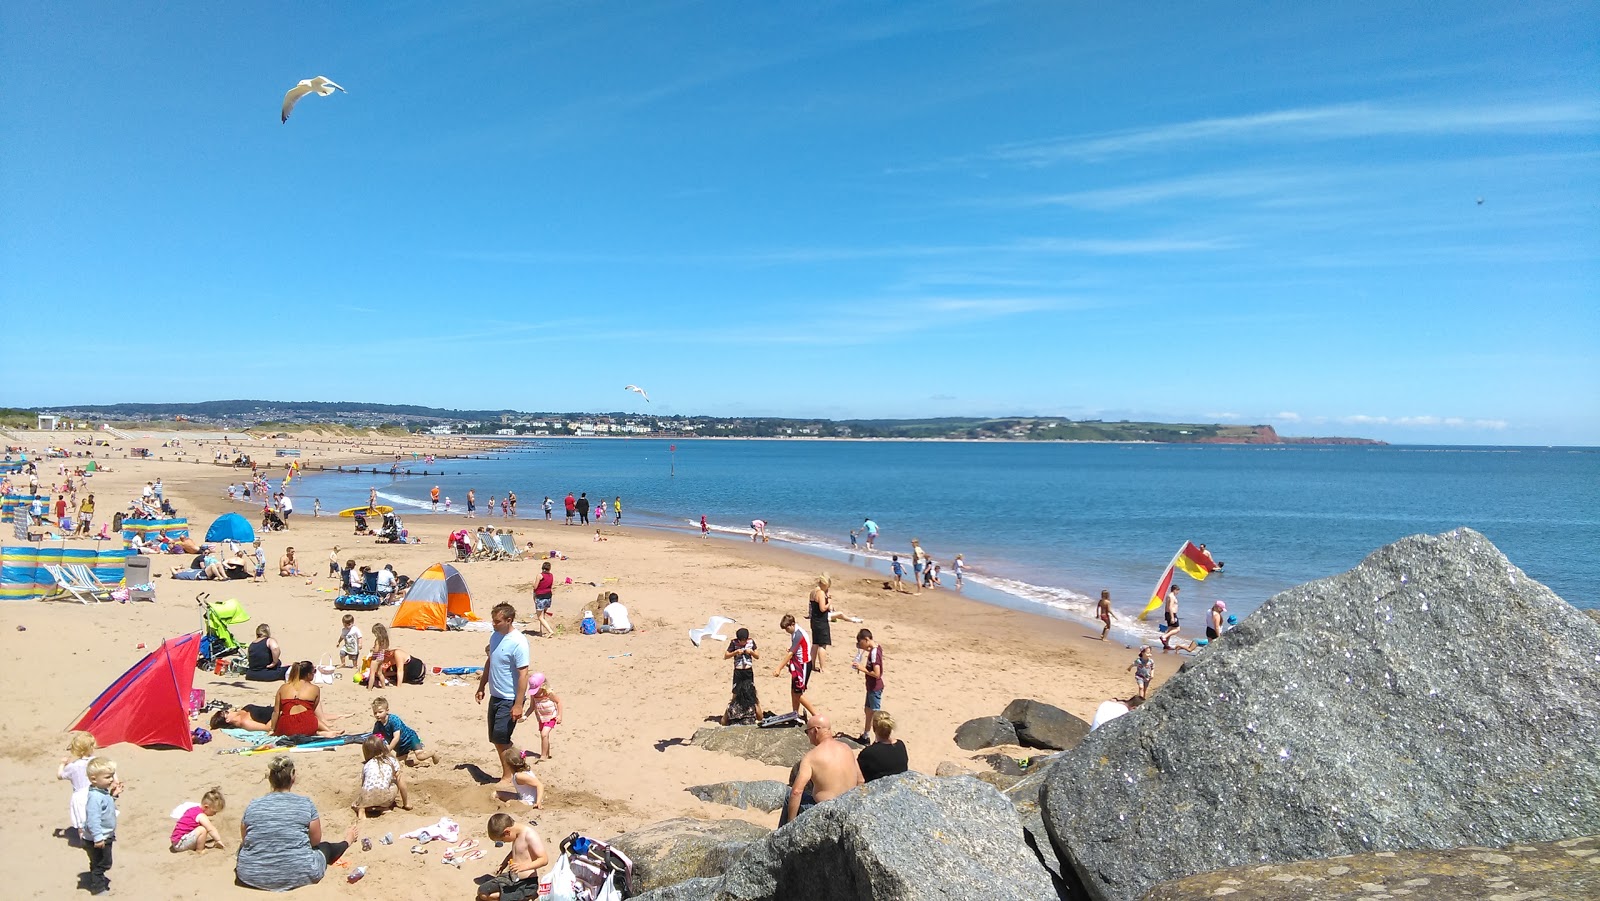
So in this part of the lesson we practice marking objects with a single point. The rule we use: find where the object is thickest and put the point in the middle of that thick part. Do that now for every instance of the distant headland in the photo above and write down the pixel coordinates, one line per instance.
(355, 416)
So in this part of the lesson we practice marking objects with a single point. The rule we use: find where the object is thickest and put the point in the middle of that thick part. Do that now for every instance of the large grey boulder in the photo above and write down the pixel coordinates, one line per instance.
(1568, 870)
(767, 794)
(779, 747)
(1432, 697)
(901, 838)
(1024, 796)
(985, 732)
(672, 851)
(1041, 725)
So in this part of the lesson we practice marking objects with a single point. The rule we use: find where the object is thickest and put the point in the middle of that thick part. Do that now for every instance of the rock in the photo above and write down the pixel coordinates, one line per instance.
(779, 747)
(1568, 869)
(951, 768)
(1432, 697)
(768, 794)
(1004, 764)
(672, 851)
(900, 838)
(1024, 796)
(1040, 725)
(985, 732)
(1001, 781)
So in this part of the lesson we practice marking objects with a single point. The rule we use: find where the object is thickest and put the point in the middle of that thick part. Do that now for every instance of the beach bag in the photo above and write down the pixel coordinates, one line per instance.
(327, 668)
(559, 884)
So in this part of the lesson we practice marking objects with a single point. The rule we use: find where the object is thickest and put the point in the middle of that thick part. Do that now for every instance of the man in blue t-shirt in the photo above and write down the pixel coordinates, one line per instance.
(506, 675)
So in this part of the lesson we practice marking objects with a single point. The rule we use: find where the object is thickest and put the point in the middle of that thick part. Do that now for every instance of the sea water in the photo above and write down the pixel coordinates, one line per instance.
(1047, 526)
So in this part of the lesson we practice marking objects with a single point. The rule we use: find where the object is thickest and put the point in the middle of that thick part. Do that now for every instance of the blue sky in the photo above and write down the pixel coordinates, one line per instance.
(1246, 212)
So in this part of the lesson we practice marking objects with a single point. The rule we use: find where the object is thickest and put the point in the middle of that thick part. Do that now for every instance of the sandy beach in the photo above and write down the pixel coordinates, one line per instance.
(631, 701)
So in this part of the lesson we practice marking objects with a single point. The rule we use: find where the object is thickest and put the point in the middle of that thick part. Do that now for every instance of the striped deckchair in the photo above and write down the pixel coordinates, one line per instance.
(68, 583)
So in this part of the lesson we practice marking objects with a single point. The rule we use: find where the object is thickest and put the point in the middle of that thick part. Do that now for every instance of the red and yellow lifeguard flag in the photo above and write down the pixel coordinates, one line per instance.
(1194, 561)
(1160, 596)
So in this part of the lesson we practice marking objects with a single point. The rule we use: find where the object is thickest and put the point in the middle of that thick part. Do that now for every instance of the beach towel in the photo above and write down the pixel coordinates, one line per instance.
(446, 830)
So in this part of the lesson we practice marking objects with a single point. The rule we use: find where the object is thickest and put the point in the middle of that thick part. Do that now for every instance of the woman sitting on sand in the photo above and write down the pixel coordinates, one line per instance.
(744, 709)
(262, 656)
(280, 841)
(295, 710)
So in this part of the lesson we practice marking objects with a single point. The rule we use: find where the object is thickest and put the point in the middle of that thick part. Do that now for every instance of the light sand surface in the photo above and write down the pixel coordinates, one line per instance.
(631, 702)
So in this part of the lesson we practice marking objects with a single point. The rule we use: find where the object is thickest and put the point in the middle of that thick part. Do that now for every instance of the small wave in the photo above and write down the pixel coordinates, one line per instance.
(399, 500)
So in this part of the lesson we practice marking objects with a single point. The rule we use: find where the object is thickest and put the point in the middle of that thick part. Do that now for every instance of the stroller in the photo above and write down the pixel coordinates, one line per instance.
(218, 641)
(588, 870)
(271, 521)
(392, 527)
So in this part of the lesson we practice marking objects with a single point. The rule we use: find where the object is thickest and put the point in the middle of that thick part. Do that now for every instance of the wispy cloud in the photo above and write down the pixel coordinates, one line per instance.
(1443, 422)
(1315, 123)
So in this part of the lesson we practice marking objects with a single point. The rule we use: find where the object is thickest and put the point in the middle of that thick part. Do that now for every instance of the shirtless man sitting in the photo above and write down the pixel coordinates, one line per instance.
(829, 768)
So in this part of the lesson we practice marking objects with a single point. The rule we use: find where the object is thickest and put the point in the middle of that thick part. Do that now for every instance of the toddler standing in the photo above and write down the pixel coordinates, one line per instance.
(194, 830)
(74, 769)
(349, 643)
(333, 563)
(100, 823)
(1144, 669)
(547, 708)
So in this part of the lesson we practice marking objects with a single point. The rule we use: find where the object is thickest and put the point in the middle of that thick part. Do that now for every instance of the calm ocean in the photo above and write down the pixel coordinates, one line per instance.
(1047, 526)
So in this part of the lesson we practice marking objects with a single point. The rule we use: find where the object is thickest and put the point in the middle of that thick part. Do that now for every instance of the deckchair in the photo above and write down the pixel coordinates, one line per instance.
(66, 583)
(483, 549)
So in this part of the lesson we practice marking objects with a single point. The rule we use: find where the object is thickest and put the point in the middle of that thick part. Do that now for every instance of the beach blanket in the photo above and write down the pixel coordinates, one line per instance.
(254, 739)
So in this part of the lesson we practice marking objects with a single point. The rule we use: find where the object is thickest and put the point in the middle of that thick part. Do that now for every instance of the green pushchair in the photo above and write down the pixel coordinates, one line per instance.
(219, 641)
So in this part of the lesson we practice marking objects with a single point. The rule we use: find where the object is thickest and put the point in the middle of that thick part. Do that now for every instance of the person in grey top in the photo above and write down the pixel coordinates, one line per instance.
(280, 837)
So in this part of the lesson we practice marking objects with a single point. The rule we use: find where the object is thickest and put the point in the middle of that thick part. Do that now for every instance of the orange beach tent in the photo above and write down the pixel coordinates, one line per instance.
(440, 590)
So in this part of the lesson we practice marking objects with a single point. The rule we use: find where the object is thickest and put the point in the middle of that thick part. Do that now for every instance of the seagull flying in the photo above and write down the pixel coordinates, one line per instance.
(637, 390)
(321, 85)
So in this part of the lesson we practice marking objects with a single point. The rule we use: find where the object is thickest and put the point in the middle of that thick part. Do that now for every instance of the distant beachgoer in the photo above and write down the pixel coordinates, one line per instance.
(758, 530)
(572, 508)
(871, 528)
(583, 508)
(1144, 669)
(543, 593)
(1208, 556)
(616, 505)
(447, 504)
(549, 508)
(472, 504)
(316, 508)
(918, 559)
(511, 496)
(705, 528)
(797, 661)
(818, 606)
(899, 570)
(1102, 611)
(490, 508)
(853, 533)
(600, 511)
(960, 568)
(434, 497)
(1170, 610)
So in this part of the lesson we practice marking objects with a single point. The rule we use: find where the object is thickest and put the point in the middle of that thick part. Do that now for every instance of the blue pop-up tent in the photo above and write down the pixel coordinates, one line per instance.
(231, 527)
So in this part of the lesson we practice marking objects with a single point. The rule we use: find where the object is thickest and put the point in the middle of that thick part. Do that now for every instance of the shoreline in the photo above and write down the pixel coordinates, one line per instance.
(632, 701)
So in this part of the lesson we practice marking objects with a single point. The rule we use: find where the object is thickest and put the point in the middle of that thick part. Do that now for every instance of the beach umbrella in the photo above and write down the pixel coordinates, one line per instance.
(231, 527)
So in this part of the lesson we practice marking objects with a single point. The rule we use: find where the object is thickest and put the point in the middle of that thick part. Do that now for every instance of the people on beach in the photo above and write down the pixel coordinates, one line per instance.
(1102, 612)
(261, 658)
(249, 717)
(827, 771)
(434, 496)
(1214, 620)
(549, 508)
(960, 566)
(287, 564)
(600, 512)
(280, 841)
(528, 855)
(918, 561)
(547, 710)
(349, 643)
(758, 530)
(194, 830)
(382, 785)
(583, 508)
(616, 505)
(526, 786)
(572, 507)
(403, 740)
(100, 823)
(389, 665)
(885, 756)
(505, 678)
(297, 705)
(1169, 610)
(75, 770)
(1110, 710)
(798, 662)
(899, 571)
(614, 617)
(511, 499)
(543, 599)
(1144, 669)
(705, 528)
(742, 651)
(818, 607)
(744, 708)
(869, 663)
(871, 529)
(472, 503)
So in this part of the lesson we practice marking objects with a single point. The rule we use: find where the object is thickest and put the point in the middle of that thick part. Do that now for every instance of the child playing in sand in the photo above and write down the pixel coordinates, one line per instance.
(1144, 669)
(194, 830)
(349, 643)
(382, 786)
(529, 790)
(74, 769)
(598, 536)
(547, 708)
(522, 864)
(403, 740)
(899, 572)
